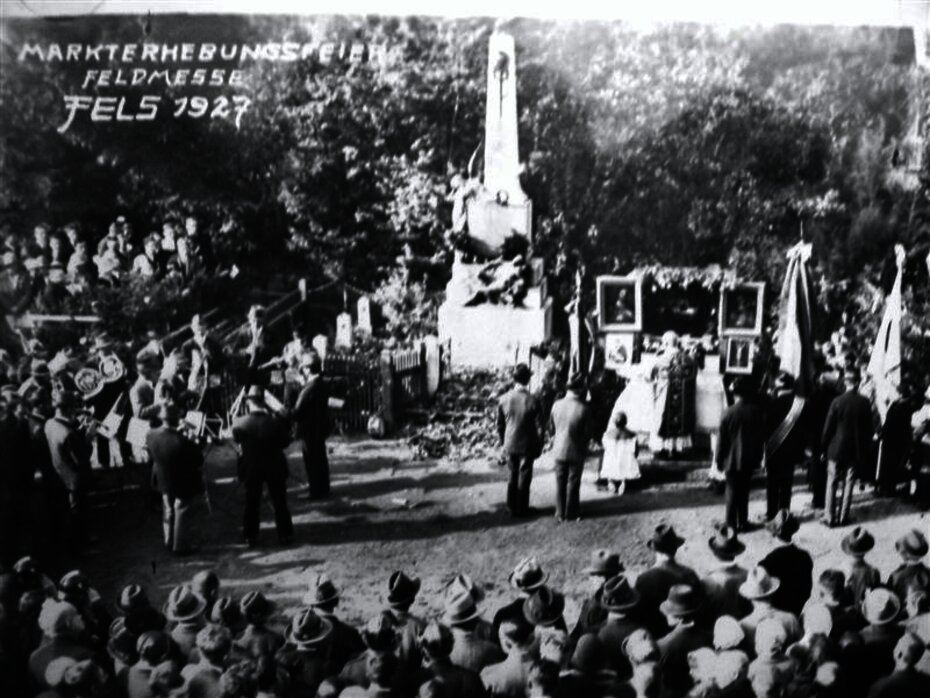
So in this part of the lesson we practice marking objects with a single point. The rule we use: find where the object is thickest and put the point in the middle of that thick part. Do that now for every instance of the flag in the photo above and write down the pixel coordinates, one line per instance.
(885, 362)
(795, 344)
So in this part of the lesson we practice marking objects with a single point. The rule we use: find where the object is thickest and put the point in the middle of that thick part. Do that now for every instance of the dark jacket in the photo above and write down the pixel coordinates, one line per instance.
(742, 438)
(794, 568)
(262, 438)
(878, 646)
(178, 463)
(790, 450)
(471, 652)
(721, 592)
(612, 635)
(570, 428)
(908, 683)
(519, 420)
(69, 452)
(653, 585)
(847, 434)
(311, 410)
(673, 657)
(907, 575)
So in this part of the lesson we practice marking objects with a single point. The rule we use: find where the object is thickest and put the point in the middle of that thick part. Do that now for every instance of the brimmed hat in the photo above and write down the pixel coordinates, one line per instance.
(122, 646)
(881, 606)
(154, 647)
(759, 584)
(683, 601)
(604, 564)
(783, 525)
(857, 542)
(912, 545)
(460, 608)
(724, 543)
(255, 606)
(665, 540)
(308, 629)
(463, 582)
(618, 595)
(183, 604)
(590, 655)
(73, 584)
(528, 575)
(402, 589)
(436, 640)
(544, 607)
(522, 373)
(322, 592)
(132, 598)
(205, 582)
(226, 612)
(380, 633)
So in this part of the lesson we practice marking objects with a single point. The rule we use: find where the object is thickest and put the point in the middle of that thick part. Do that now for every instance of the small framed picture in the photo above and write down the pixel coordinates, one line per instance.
(620, 303)
(618, 349)
(741, 309)
(740, 354)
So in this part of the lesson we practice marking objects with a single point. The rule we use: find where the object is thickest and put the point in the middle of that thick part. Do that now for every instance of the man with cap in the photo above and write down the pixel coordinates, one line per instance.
(346, 642)
(847, 446)
(570, 425)
(881, 609)
(508, 679)
(681, 609)
(653, 584)
(721, 585)
(69, 451)
(620, 601)
(402, 591)
(739, 451)
(861, 576)
(759, 588)
(787, 439)
(526, 578)
(604, 566)
(258, 637)
(261, 439)
(519, 427)
(912, 547)
(468, 650)
(905, 681)
(792, 565)
(178, 464)
(311, 413)
(185, 610)
(435, 644)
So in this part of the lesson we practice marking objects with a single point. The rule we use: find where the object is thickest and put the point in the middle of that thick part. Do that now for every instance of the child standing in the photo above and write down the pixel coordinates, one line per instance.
(620, 448)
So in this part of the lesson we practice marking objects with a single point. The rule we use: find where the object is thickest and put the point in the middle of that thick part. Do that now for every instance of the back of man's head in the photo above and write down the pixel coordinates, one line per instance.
(516, 633)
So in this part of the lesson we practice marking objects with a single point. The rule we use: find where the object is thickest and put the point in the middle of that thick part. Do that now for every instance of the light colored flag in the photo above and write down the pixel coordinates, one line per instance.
(885, 362)
(794, 346)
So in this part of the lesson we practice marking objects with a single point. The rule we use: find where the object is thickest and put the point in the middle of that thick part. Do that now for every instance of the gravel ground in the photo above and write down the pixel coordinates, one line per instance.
(434, 519)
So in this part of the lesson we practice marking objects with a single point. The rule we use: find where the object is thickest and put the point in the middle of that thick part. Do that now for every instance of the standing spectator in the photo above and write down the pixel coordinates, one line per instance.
(311, 412)
(787, 435)
(185, 610)
(791, 565)
(721, 586)
(185, 264)
(912, 547)
(847, 443)
(306, 654)
(402, 592)
(468, 650)
(526, 577)
(508, 679)
(569, 425)
(604, 566)
(739, 452)
(862, 576)
(760, 587)
(261, 438)
(897, 438)
(178, 465)
(654, 584)
(346, 642)
(519, 427)
(681, 609)
(40, 248)
(200, 243)
(111, 264)
(70, 458)
(436, 643)
(881, 609)
(257, 636)
(202, 678)
(620, 601)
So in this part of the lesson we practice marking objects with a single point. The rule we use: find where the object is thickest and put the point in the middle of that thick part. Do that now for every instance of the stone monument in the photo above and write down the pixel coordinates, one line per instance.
(496, 308)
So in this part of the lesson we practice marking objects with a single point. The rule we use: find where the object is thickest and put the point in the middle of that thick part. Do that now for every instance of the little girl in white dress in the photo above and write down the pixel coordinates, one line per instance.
(620, 447)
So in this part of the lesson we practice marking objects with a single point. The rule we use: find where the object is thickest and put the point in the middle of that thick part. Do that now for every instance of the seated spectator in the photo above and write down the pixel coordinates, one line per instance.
(148, 264)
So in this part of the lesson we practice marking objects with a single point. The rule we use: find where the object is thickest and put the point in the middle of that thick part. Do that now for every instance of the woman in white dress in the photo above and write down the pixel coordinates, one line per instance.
(620, 447)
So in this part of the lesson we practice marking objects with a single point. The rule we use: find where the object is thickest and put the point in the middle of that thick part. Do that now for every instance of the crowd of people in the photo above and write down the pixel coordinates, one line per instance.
(747, 629)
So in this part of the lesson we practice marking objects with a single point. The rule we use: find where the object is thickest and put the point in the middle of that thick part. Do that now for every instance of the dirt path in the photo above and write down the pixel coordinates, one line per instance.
(435, 519)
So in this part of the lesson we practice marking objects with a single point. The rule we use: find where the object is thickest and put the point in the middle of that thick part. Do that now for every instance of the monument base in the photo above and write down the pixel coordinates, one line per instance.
(493, 336)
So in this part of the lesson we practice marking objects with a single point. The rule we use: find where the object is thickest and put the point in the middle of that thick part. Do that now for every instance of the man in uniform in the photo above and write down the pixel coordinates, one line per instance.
(312, 417)
(261, 438)
(784, 449)
(519, 425)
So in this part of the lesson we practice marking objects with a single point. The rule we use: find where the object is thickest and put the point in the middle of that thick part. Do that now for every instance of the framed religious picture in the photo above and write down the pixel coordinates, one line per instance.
(618, 349)
(739, 355)
(620, 303)
(741, 309)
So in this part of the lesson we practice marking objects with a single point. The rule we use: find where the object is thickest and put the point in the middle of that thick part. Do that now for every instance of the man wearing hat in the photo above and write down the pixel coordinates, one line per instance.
(185, 610)
(261, 439)
(178, 464)
(138, 614)
(620, 601)
(311, 413)
(847, 446)
(153, 649)
(912, 547)
(681, 609)
(346, 642)
(69, 451)
(759, 588)
(468, 650)
(519, 427)
(792, 565)
(257, 636)
(402, 591)
(721, 586)
(526, 578)
(544, 610)
(739, 451)
(787, 436)
(881, 609)
(305, 654)
(571, 431)
(604, 565)
(653, 584)
(861, 576)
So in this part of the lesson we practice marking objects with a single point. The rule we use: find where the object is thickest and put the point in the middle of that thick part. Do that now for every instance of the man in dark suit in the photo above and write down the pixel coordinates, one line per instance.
(653, 584)
(570, 429)
(791, 565)
(312, 418)
(681, 608)
(847, 443)
(787, 432)
(739, 452)
(69, 451)
(178, 464)
(261, 438)
(519, 426)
